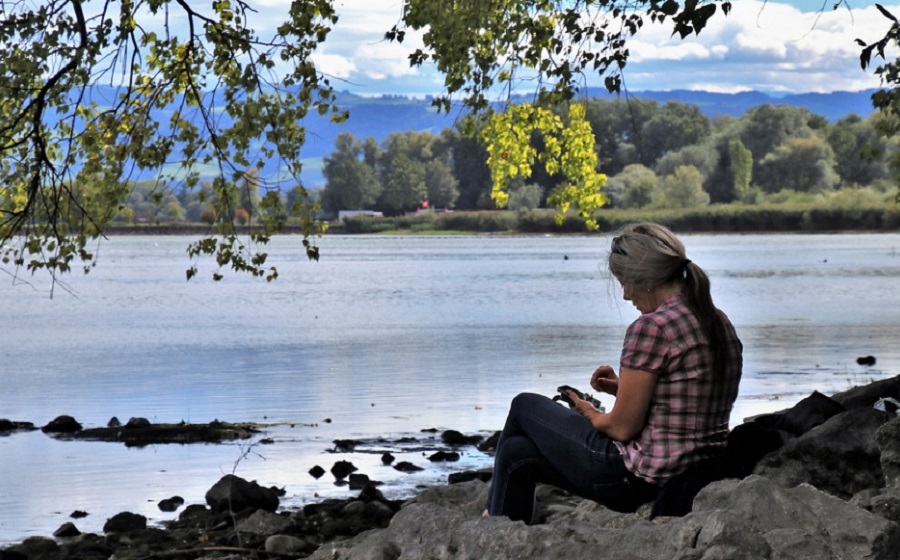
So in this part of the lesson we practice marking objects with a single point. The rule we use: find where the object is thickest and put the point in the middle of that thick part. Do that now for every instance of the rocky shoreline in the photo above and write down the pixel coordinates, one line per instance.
(819, 481)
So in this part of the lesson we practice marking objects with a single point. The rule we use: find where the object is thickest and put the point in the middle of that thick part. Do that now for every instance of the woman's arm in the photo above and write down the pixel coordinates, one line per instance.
(629, 414)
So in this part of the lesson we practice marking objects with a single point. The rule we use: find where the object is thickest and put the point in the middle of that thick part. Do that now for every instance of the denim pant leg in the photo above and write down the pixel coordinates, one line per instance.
(543, 441)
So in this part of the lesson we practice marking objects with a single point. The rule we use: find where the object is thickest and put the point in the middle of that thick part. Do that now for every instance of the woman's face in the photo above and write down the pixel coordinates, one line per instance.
(642, 299)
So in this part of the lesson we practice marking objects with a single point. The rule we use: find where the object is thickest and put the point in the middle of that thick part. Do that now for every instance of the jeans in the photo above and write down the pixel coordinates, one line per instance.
(545, 442)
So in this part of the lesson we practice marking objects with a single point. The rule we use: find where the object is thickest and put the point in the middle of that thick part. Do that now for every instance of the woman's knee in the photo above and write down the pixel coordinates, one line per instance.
(527, 401)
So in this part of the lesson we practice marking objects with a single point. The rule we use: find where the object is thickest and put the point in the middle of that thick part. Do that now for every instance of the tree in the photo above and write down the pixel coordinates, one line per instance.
(767, 127)
(617, 126)
(525, 197)
(860, 154)
(351, 184)
(741, 166)
(404, 186)
(676, 125)
(468, 162)
(801, 165)
(703, 156)
(440, 184)
(210, 97)
(682, 189)
(403, 173)
(633, 187)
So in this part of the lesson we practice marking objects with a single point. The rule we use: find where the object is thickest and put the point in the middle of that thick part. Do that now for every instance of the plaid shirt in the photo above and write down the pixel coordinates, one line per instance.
(687, 421)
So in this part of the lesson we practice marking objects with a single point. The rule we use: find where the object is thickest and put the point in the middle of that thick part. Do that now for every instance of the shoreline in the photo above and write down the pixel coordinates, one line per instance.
(420, 459)
(242, 517)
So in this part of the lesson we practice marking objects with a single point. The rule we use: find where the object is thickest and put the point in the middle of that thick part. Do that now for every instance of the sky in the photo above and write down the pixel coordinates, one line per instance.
(777, 47)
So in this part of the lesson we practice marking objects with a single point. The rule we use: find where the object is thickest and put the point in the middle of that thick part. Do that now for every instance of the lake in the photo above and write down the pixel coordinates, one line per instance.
(384, 336)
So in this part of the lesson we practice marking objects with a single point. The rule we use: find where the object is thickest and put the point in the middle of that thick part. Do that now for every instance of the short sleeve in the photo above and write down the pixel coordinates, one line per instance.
(646, 346)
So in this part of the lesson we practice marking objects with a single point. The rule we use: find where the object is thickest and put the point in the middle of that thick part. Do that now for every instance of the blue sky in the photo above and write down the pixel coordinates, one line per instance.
(776, 47)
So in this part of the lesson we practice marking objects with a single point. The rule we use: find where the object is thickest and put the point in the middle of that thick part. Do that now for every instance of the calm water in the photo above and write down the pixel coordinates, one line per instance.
(384, 336)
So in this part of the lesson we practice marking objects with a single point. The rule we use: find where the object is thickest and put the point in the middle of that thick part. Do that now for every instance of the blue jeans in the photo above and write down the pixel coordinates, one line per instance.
(546, 442)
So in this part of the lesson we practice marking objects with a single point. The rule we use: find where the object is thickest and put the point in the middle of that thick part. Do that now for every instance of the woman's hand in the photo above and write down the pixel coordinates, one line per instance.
(605, 380)
(581, 406)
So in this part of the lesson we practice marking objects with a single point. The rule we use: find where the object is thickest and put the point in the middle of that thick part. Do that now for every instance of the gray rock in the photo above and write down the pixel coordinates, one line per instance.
(764, 506)
(286, 545)
(263, 522)
(125, 522)
(137, 422)
(752, 519)
(840, 457)
(232, 493)
(62, 425)
(67, 529)
(865, 396)
(888, 439)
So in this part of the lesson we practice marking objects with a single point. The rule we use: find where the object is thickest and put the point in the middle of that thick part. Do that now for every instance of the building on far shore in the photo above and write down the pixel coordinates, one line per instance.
(351, 213)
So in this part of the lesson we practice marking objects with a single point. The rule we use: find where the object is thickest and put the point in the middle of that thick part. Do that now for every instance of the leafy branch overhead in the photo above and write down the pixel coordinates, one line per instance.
(71, 148)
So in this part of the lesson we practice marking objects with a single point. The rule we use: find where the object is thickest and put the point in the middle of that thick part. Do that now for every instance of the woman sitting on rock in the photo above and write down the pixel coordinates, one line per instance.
(678, 378)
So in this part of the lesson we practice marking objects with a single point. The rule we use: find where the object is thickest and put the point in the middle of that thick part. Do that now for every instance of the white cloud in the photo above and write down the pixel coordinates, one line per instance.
(335, 65)
(768, 46)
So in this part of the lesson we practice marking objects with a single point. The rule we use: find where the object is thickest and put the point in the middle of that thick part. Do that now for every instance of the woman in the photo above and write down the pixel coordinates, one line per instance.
(678, 378)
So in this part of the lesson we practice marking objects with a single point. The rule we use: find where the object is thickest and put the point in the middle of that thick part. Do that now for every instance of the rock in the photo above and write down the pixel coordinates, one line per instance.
(113, 423)
(341, 469)
(125, 522)
(137, 422)
(490, 444)
(355, 507)
(865, 396)
(287, 545)
(62, 425)
(78, 514)
(452, 437)
(888, 439)
(345, 444)
(754, 519)
(263, 522)
(316, 472)
(443, 456)
(170, 504)
(763, 506)
(839, 457)
(140, 432)
(465, 476)
(407, 467)
(379, 511)
(387, 458)
(33, 547)
(232, 493)
(12, 426)
(866, 360)
(67, 529)
(360, 481)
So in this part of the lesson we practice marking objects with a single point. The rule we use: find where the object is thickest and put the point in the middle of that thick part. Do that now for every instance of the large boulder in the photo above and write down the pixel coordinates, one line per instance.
(840, 457)
(749, 519)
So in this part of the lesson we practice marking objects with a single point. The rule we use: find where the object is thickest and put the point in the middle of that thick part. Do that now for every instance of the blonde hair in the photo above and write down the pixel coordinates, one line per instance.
(647, 256)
